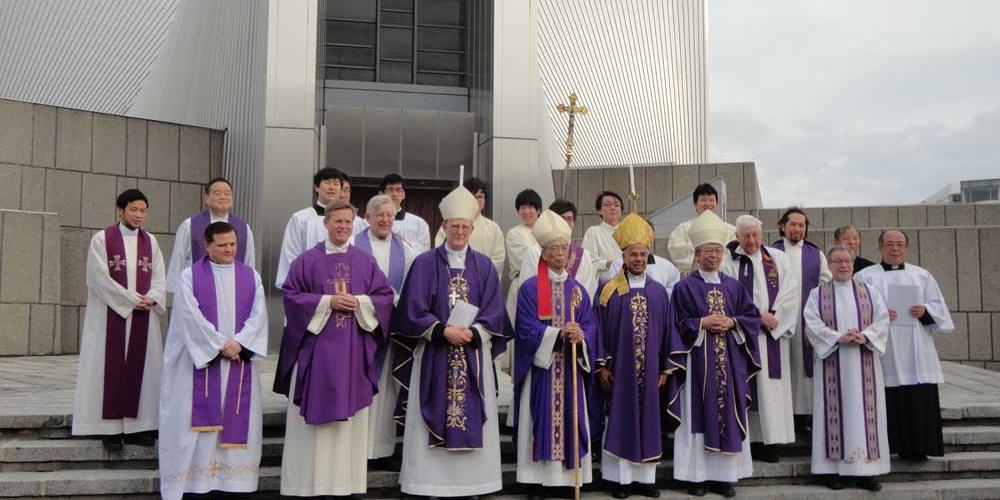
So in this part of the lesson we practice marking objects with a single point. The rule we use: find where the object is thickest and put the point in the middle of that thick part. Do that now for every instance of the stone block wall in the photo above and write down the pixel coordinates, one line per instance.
(60, 171)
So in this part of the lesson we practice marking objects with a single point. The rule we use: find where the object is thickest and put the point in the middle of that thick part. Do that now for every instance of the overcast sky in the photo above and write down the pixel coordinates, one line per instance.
(855, 102)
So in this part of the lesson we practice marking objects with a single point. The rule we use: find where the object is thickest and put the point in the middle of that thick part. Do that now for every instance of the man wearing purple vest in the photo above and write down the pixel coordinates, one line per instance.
(807, 269)
(118, 384)
(210, 408)
(188, 241)
(394, 257)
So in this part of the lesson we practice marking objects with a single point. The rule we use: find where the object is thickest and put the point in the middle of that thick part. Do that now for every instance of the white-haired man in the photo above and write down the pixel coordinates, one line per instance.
(762, 271)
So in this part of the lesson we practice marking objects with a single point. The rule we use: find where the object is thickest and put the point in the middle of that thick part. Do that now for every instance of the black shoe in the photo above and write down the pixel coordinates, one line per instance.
(833, 482)
(696, 489)
(722, 489)
(646, 490)
(390, 464)
(619, 491)
(140, 439)
(113, 443)
(869, 483)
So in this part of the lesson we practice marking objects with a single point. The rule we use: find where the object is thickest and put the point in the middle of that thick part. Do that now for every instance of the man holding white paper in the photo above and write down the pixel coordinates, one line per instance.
(911, 366)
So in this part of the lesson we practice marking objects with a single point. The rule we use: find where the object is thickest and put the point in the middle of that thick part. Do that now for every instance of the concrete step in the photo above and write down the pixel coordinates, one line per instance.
(953, 466)
(82, 484)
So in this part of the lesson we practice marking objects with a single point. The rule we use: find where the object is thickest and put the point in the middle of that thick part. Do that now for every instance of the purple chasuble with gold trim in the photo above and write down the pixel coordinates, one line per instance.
(721, 366)
(336, 374)
(451, 391)
(123, 372)
(551, 397)
(633, 331)
(209, 411)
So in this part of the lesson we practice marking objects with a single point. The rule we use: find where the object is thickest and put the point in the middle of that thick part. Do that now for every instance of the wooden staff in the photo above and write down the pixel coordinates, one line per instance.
(575, 300)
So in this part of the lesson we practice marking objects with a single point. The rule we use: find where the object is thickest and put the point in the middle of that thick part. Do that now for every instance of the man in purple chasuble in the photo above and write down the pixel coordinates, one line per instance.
(848, 324)
(806, 270)
(763, 271)
(337, 306)
(452, 311)
(210, 407)
(713, 357)
(633, 312)
(118, 383)
(554, 312)
(394, 257)
(189, 239)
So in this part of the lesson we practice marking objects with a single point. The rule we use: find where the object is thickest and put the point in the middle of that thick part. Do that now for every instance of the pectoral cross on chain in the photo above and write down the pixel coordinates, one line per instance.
(453, 297)
(573, 110)
(145, 264)
(116, 262)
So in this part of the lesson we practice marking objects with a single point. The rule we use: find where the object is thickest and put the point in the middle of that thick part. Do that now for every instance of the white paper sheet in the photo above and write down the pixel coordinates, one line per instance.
(463, 314)
(900, 299)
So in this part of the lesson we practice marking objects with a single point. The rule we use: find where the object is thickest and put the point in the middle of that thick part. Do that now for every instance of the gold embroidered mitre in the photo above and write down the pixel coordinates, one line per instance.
(633, 229)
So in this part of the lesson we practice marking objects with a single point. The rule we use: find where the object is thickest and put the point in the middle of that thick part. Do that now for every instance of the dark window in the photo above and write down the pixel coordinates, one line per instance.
(397, 41)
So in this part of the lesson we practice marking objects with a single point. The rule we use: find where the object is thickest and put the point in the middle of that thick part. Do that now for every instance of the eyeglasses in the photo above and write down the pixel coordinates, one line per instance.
(842, 261)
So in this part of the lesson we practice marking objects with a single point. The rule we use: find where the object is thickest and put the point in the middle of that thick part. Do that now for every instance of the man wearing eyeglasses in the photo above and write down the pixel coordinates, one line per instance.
(410, 227)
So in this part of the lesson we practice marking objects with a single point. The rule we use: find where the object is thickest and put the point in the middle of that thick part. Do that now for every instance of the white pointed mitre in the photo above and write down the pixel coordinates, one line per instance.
(459, 204)
(550, 227)
(707, 228)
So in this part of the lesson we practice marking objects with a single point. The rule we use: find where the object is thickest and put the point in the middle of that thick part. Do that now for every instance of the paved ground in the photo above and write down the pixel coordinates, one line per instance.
(38, 391)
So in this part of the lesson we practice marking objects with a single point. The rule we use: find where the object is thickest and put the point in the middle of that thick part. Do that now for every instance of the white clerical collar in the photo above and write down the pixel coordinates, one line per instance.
(842, 284)
(216, 265)
(636, 281)
(710, 276)
(558, 277)
(456, 258)
(789, 244)
(332, 247)
(126, 231)
(224, 218)
(375, 239)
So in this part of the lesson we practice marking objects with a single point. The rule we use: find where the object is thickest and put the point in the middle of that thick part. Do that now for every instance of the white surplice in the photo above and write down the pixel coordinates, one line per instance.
(911, 357)
(519, 241)
(487, 238)
(180, 257)
(438, 471)
(190, 461)
(802, 386)
(680, 248)
(303, 231)
(692, 462)
(413, 230)
(103, 293)
(660, 270)
(550, 472)
(773, 422)
(381, 425)
(825, 341)
(332, 458)
(600, 243)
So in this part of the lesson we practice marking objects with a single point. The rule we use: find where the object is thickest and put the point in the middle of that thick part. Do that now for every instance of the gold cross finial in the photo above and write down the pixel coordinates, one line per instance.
(573, 110)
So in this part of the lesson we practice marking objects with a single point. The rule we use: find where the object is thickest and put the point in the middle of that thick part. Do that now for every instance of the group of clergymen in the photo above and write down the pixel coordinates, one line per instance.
(385, 333)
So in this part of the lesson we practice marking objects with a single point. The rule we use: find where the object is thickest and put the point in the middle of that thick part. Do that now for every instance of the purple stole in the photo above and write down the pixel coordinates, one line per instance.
(746, 277)
(123, 373)
(810, 280)
(232, 417)
(575, 258)
(201, 221)
(397, 257)
(832, 398)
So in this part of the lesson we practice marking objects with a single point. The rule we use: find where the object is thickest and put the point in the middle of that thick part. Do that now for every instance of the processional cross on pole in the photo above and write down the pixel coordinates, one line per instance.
(573, 110)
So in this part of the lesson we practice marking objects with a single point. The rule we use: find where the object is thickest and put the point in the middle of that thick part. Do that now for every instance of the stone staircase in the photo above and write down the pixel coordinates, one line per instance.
(38, 458)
